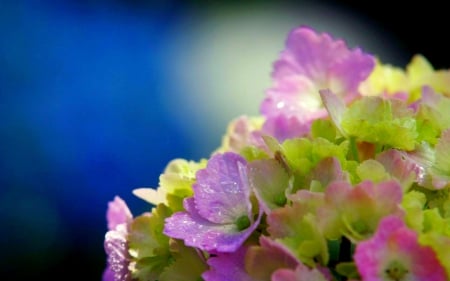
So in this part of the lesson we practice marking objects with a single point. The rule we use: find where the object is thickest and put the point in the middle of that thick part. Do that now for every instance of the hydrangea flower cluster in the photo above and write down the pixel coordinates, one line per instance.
(345, 175)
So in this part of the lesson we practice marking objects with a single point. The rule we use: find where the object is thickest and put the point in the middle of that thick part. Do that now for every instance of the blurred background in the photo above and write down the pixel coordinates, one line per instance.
(96, 97)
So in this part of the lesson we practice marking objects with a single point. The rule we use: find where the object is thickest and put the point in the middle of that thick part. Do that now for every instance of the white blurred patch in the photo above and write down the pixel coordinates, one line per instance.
(220, 60)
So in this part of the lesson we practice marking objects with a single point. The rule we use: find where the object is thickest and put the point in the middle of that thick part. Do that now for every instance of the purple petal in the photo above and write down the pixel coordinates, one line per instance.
(198, 232)
(313, 55)
(311, 62)
(117, 213)
(108, 274)
(228, 267)
(117, 250)
(284, 127)
(222, 191)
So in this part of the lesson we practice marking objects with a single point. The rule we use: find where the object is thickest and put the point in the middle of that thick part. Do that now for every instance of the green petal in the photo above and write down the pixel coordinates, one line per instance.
(372, 170)
(177, 180)
(413, 203)
(187, 264)
(323, 128)
(384, 122)
(270, 181)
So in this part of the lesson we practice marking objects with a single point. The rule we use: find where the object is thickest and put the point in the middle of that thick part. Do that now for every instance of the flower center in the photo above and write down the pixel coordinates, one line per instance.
(280, 200)
(395, 271)
(242, 222)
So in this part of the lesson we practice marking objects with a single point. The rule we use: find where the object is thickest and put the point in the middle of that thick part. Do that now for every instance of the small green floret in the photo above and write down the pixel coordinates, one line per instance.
(395, 271)
(380, 121)
(243, 222)
(280, 200)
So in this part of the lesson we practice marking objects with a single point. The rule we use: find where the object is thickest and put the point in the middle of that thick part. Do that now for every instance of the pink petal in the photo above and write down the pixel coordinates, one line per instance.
(395, 243)
(228, 267)
(117, 213)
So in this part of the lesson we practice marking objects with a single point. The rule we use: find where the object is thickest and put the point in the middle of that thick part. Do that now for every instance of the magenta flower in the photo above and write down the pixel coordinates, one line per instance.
(219, 216)
(118, 217)
(394, 254)
(309, 63)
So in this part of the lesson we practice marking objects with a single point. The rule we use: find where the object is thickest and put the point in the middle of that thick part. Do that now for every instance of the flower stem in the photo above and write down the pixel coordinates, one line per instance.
(354, 149)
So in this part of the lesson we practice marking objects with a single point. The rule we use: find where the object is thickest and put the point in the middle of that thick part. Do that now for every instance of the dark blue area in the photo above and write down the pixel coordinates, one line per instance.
(82, 120)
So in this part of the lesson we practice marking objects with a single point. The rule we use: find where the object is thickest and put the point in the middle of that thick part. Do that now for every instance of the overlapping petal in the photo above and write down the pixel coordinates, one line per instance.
(355, 211)
(228, 267)
(219, 216)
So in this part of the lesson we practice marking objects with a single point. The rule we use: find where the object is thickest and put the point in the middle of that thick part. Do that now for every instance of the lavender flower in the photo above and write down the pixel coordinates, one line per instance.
(219, 216)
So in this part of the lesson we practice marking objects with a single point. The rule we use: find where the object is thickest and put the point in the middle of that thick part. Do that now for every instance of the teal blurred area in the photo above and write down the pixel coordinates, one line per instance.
(96, 97)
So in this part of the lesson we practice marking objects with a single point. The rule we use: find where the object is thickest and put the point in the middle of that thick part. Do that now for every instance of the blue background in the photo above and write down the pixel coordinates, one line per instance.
(88, 110)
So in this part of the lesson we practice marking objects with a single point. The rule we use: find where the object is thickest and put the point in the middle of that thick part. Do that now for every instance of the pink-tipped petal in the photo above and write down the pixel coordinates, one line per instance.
(117, 213)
